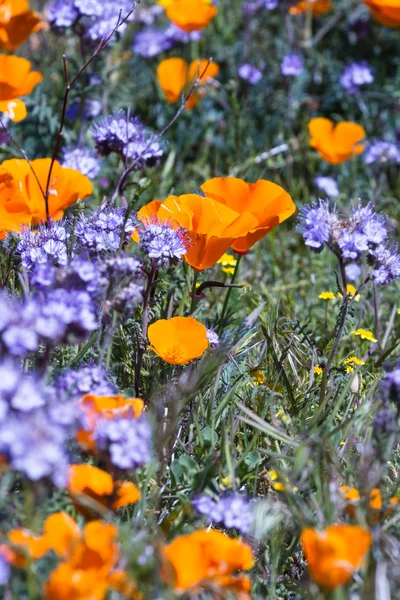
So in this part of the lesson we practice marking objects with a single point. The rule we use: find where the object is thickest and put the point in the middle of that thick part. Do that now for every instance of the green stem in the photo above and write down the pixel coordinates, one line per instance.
(228, 295)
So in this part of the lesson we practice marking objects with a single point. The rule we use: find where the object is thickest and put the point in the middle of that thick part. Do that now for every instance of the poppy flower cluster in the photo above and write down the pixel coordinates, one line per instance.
(232, 213)
(23, 191)
(190, 15)
(333, 555)
(176, 77)
(89, 557)
(336, 143)
(386, 12)
(207, 557)
(17, 23)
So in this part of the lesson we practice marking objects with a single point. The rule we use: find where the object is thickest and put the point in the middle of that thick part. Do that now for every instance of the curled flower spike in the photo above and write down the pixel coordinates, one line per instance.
(178, 340)
(193, 560)
(334, 554)
(336, 143)
(176, 76)
(17, 23)
(16, 80)
(386, 12)
(190, 15)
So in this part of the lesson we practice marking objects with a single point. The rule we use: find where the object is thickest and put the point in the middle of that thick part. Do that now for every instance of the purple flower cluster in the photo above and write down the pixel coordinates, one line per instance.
(82, 160)
(127, 440)
(164, 244)
(151, 41)
(391, 385)
(250, 73)
(354, 76)
(327, 185)
(129, 138)
(90, 378)
(233, 511)
(98, 18)
(30, 439)
(292, 65)
(103, 231)
(47, 245)
(382, 152)
(363, 234)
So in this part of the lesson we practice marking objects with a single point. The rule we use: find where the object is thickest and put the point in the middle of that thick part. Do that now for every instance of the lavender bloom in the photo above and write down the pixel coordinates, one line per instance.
(34, 446)
(66, 316)
(108, 19)
(213, 338)
(103, 230)
(386, 262)
(381, 152)
(148, 15)
(86, 379)
(18, 391)
(128, 441)
(249, 73)
(151, 42)
(354, 76)
(270, 4)
(164, 244)
(129, 138)
(82, 160)
(62, 13)
(384, 423)
(82, 275)
(327, 185)
(129, 297)
(292, 65)
(5, 570)
(176, 34)
(46, 245)
(317, 223)
(233, 511)
(353, 271)
(391, 386)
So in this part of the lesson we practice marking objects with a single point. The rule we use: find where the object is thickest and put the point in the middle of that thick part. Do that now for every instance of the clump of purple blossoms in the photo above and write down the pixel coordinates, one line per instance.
(354, 76)
(249, 73)
(127, 440)
(97, 17)
(103, 231)
(163, 243)
(363, 234)
(82, 160)
(292, 65)
(45, 246)
(391, 386)
(90, 378)
(327, 185)
(128, 137)
(233, 511)
(151, 42)
(381, 152)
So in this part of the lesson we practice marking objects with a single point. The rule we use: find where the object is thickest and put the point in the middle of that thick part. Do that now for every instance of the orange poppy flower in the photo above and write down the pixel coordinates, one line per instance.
(335, 554)
(386, 12)
(264, 200)
(178, 340)
(104, 407)
(87, 483)
(352, 498)
(317, 7)
(206, 556)
(212, 227)
(190, 15)
(336, 144)
(16, 80)
(176, 76)
(17, 23)
(22, 194)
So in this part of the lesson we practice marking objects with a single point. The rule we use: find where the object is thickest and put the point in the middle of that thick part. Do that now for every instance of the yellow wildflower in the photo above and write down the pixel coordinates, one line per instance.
(327, 296)
(351, 362)
(351, 290)
(364, 334)
(258, 377)
(228, 263)
(279, 486)
(318, 370)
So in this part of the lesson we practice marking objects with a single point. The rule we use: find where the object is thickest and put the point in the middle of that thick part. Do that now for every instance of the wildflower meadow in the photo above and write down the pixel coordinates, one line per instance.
(199, 300)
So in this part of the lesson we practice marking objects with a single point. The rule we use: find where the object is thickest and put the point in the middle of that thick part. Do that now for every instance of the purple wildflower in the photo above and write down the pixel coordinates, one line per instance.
(249, 73)
(164, 244)
(127, 440)
(46, 245)
(82, 160)
(292, 65)
(86, 379)
(151, 42)
(354, 76)
(327, 185)
(317, 223)
(233, 511)
(103, 230)
(129, 138)
(386, 263)
(381, 152)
